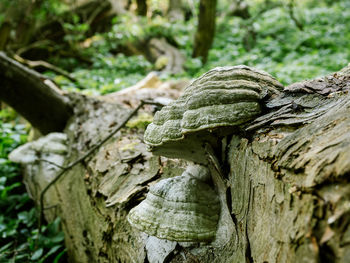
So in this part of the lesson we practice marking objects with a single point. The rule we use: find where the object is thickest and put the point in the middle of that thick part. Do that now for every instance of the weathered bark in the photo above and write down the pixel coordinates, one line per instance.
(286, 185)
(23, 89)
(206, 29)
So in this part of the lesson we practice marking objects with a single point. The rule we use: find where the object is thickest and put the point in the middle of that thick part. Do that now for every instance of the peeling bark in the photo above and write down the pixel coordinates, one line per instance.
(285, 193)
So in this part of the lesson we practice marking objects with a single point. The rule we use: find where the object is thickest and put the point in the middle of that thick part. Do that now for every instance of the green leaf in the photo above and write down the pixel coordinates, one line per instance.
(51, 251)
(4, 248)
(37, 254)
(58, 238)
(57, 258)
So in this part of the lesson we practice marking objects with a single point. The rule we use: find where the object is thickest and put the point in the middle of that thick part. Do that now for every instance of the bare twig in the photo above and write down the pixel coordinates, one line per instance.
(96, 12)
(249, 39)
(41, 63)
(292, 15)
(52, 163)
(26, 90)
(39, 43)
(87, 154)
(268, 5)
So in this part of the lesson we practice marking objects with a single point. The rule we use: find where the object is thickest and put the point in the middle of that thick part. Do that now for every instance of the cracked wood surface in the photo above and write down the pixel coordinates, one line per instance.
(286, 184)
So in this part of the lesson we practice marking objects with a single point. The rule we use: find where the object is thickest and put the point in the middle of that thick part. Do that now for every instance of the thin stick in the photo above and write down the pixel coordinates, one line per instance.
(52, 163)
(291, 5)
(87, 154)
(41, 63)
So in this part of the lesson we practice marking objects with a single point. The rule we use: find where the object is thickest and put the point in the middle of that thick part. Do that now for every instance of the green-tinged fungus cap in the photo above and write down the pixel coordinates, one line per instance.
(222, 97)
(183, 208)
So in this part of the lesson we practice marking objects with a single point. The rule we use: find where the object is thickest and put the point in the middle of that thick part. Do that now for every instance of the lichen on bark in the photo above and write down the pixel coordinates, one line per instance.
(285, 183)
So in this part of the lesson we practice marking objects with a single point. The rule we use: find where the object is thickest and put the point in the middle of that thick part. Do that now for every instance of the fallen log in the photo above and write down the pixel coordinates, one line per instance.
(285, 180)
(47, 109)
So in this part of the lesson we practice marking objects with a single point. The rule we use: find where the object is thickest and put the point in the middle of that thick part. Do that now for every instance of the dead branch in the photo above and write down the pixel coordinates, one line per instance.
(290, 6)
(44, 64)
(25, 90)
(87, 154)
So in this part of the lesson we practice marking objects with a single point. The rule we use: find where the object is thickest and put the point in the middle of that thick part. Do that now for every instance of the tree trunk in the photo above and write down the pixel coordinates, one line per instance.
(141, 7)
(5, 30)
(286, 184)
(206, 29)
(24, 89)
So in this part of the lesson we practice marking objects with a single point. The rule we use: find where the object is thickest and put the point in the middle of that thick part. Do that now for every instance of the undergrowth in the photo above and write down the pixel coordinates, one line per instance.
(280, 48)
(18, 219)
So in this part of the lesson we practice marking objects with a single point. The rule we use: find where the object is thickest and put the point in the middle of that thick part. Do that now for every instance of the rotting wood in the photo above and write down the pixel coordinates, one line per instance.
(87, 154)
(24, 89)
(287, 186)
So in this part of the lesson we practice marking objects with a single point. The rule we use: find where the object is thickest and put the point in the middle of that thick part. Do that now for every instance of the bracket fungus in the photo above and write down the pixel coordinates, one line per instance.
(220, 99)
(182, 208)
(186, 208)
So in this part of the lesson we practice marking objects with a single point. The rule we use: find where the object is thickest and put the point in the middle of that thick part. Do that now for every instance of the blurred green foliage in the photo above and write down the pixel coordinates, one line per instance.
(18, 219)
(280, 47)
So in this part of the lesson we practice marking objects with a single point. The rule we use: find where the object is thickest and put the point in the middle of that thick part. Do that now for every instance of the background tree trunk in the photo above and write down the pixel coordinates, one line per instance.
(141, 7)
(206, 29)
(24, 89)
(5, 30)
(287, 184)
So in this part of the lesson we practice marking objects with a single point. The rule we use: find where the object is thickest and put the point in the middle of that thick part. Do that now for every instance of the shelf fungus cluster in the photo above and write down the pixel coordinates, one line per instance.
(186, 208)
(222, 98)
(183, 208)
